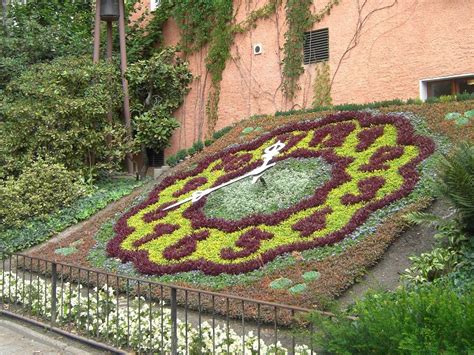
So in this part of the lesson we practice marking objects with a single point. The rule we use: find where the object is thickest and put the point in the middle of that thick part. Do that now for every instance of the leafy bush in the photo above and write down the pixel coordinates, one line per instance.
(41, 189)
(430, 266)
(172, 161)
(35, 231)
(428, 320)
(59, 109)
(198, 146)
(182, 154)
(39, 31)
(221, 133)
(154, 130)
(456, 184)
(191, 151)
(158, 87)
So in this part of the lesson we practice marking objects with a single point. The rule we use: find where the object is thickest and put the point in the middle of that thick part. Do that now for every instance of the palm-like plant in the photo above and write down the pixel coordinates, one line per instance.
(456, 184)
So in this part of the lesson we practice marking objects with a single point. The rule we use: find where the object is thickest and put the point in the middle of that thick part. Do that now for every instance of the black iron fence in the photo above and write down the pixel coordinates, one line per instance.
(148, 317)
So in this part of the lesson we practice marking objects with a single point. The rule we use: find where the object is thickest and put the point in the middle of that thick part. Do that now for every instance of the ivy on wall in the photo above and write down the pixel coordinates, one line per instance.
(211, 22)
(322, 85)
(299, 19)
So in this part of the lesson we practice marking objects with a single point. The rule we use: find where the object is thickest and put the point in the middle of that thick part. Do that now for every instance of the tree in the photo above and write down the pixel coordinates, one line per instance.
(42, 30)
(59, 110)
(158, 87)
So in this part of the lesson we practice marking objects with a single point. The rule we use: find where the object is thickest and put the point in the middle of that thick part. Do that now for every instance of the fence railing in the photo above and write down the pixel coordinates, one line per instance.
(149, 317)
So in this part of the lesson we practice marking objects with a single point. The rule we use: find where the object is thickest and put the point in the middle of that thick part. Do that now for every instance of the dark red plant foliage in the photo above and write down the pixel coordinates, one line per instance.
(233, 162)
(368, 136)
(185, 246)
(191, 185)
(249, 242)
(380, 157)
(332, 136)
(290, 140)
(312, 223)
(368, 189)
(406, 136)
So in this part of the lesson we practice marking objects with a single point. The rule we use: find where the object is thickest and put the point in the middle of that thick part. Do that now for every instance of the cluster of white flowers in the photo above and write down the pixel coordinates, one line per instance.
(134, 323)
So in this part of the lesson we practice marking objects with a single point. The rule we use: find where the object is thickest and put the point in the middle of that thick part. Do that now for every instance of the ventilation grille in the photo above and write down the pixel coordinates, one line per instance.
(316, 46)
(155, 159)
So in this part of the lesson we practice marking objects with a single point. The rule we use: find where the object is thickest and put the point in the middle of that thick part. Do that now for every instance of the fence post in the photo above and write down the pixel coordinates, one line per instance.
(54, 281)
(174, 322)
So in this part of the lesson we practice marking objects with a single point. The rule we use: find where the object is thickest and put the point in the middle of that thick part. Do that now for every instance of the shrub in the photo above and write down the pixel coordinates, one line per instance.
(222, 132)
(456, 184)
(38, 230)
(181, 155)
(40, 189)
(428, 320)
(172, 161)
(158, 86)
(155, 129)
(198, 146)
(59, 109)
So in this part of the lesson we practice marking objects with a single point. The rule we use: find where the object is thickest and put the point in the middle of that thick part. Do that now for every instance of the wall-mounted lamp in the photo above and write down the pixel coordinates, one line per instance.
(109, 10)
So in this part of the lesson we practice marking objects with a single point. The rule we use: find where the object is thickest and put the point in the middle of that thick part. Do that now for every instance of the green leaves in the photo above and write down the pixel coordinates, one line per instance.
(154, 131)
(281, 283)
(34, 231)
(40, 189)
(460, 119)
(39, 31)
(158, 86)
(59, 109)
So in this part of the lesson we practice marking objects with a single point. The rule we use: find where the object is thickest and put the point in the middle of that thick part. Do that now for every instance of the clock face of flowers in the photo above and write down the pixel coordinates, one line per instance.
(369, 162)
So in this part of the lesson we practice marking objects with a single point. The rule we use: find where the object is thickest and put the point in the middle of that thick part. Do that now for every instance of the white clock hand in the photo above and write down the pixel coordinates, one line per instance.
(268, 155)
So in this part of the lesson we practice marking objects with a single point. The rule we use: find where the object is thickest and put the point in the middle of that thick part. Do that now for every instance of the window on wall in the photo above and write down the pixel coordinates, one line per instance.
(316, 46)
(459, 84)
(154, 4)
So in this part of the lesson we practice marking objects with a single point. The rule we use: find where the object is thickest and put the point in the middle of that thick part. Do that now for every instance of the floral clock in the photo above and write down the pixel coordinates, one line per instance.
(372, 160)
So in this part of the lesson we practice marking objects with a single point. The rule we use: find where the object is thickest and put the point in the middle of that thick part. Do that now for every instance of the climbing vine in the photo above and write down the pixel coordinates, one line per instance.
(299, 19)
(262, 13)
(322, 85)
(210, 22)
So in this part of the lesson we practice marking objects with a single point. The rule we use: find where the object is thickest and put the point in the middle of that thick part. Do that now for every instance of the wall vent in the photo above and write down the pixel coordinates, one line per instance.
(316, 46)
(257, 49)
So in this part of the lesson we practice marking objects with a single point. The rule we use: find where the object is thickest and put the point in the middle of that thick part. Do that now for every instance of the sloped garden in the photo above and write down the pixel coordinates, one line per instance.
(334, 201)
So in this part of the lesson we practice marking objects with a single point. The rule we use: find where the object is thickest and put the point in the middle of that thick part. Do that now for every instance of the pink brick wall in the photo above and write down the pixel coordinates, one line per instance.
(413, 40)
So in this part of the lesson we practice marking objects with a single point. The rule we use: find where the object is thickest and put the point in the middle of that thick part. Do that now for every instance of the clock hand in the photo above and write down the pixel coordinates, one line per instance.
(268, 155)
(197, 195)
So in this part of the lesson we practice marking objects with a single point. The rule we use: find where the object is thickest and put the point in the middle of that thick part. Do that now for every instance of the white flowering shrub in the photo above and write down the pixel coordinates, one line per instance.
(101, 313)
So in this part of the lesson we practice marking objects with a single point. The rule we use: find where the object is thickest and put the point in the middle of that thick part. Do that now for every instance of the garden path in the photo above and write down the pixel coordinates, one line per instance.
(19, 338)
(386, 273)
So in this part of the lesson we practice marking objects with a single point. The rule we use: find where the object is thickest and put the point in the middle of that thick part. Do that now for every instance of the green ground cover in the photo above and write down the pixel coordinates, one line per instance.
(35, 231)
